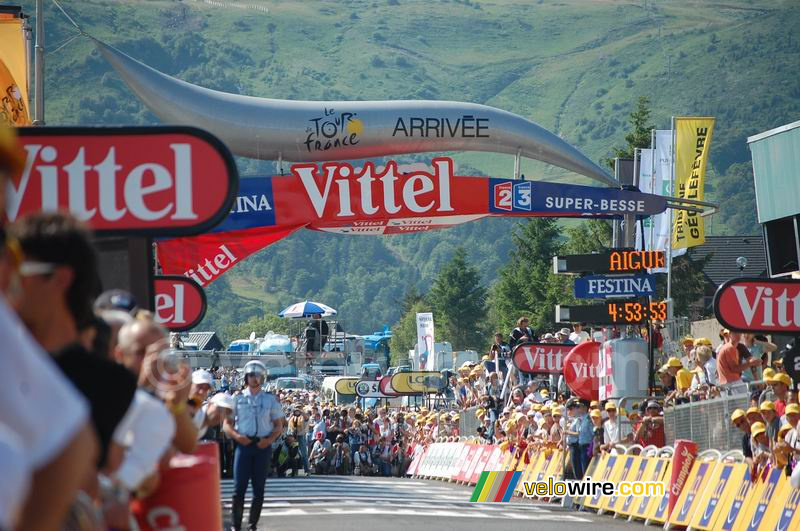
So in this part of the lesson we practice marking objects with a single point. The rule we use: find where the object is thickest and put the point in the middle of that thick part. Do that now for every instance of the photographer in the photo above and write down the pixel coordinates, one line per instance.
(650, 431)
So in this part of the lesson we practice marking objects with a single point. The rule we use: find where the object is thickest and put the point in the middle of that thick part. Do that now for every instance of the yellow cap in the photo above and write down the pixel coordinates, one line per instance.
(792, 408)
(688, 339)
(769, 374)
(781, 377)
(736, 415)
(634, 413)
(595, 413)
(456, 417)
(510, 425)
(753, 409)
(756, 428)
(623, 412)
(557, 412)
(480, 412)
(674, 362)
(784, 429)
(594, 403)
(702, 341)
(767, 406)
(610, 406)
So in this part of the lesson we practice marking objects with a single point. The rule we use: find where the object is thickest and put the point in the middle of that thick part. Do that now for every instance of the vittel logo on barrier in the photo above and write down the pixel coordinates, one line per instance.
(759, 305)
(540, 357)
(370, 192)
(170, 180)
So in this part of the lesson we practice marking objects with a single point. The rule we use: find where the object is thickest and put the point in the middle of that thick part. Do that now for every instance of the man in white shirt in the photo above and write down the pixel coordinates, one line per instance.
(578, 335)
(613, 432)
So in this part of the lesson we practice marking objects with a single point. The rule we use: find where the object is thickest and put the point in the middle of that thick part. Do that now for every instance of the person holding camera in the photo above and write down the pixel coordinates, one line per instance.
(258, 421)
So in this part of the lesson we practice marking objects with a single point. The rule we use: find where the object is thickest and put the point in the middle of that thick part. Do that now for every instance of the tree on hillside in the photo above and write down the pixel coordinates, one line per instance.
(526, 284)
(458, 301)
(639, 136)
(404, 333)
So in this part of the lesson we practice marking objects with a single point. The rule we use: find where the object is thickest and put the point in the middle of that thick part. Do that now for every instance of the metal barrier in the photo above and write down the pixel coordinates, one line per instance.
(707, 422)
(468, 422)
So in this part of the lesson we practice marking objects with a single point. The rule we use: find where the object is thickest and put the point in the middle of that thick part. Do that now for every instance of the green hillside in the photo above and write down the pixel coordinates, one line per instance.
(574, 66)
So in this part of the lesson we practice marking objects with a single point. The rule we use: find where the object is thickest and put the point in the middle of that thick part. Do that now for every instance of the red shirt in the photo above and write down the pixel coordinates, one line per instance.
(780, 407)
(652, 434)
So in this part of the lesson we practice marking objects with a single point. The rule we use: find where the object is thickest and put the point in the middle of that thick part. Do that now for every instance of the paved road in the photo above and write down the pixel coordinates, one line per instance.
(345, 502)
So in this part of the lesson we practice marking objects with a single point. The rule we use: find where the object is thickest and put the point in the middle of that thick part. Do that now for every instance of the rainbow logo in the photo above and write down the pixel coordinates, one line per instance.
(496, 486)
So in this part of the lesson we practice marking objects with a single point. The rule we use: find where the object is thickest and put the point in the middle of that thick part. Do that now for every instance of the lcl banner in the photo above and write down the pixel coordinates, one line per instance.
(337, 197)
(537, 358)
(759, 305)
(180, 303)
(151, 181)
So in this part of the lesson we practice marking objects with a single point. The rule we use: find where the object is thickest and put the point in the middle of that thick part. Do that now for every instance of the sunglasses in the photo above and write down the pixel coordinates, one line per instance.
(30, 268)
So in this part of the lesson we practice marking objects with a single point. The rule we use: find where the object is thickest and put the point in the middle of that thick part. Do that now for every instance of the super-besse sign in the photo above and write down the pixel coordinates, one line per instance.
(759, 305)
(150, 181)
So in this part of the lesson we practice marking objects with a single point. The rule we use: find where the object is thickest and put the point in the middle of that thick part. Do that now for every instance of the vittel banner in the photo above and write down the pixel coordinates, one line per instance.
(759, 305)
(169, 181)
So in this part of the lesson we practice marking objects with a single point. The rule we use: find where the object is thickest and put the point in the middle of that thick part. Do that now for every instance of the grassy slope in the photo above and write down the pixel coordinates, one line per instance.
(573, 66)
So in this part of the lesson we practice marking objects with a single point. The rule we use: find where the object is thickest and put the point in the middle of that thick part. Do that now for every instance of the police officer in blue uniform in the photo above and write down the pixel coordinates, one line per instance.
(259, 421)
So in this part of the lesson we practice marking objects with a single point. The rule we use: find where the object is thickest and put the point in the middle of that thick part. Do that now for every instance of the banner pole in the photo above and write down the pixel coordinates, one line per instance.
(670, 309)
(38, 65)
(652, 187)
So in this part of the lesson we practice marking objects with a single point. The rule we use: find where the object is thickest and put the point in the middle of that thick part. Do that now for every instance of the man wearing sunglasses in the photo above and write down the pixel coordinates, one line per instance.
(42, 409)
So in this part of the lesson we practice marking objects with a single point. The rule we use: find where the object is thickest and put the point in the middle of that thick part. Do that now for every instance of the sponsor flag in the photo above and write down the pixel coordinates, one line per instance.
(204, 258)
(496, 486)
(425, 342)
(13, 72)
(655, 177)
(692, 144)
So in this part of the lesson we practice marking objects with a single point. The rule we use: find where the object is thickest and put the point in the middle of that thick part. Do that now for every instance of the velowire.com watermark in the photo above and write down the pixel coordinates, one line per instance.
(553, 487)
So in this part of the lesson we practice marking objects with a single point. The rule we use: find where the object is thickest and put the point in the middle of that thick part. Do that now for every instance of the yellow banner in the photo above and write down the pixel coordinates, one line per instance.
(692, 144)
(13, 73)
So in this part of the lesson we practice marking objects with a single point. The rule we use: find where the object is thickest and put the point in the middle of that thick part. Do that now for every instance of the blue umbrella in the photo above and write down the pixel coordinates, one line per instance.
(306, 309)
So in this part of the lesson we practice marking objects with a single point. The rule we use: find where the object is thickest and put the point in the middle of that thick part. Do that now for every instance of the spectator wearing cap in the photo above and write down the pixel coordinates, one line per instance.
(771, 420)
(563, 337)
(579, 436)
(780, 384)
(650, 431)
(613, 432)
(731, 363)
(739, 420)
(596, 417)
(792, 417)
(116, 299)
(759, 441)
(754, 415)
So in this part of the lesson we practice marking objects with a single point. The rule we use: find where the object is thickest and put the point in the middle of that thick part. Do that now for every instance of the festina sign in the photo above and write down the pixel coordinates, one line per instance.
(759, 305)
(605, 287)
(533, 358)
(180, 303)
(150, 181)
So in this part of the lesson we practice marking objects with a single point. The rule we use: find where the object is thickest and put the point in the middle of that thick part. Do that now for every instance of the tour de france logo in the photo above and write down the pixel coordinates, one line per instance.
(332, 130)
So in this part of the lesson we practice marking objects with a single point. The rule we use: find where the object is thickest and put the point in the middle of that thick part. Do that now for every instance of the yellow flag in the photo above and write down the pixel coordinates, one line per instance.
(13, 73)
(692, 144)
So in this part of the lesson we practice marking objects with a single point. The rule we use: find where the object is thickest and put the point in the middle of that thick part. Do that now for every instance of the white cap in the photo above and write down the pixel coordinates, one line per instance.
(223, 400)
(202, 376)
